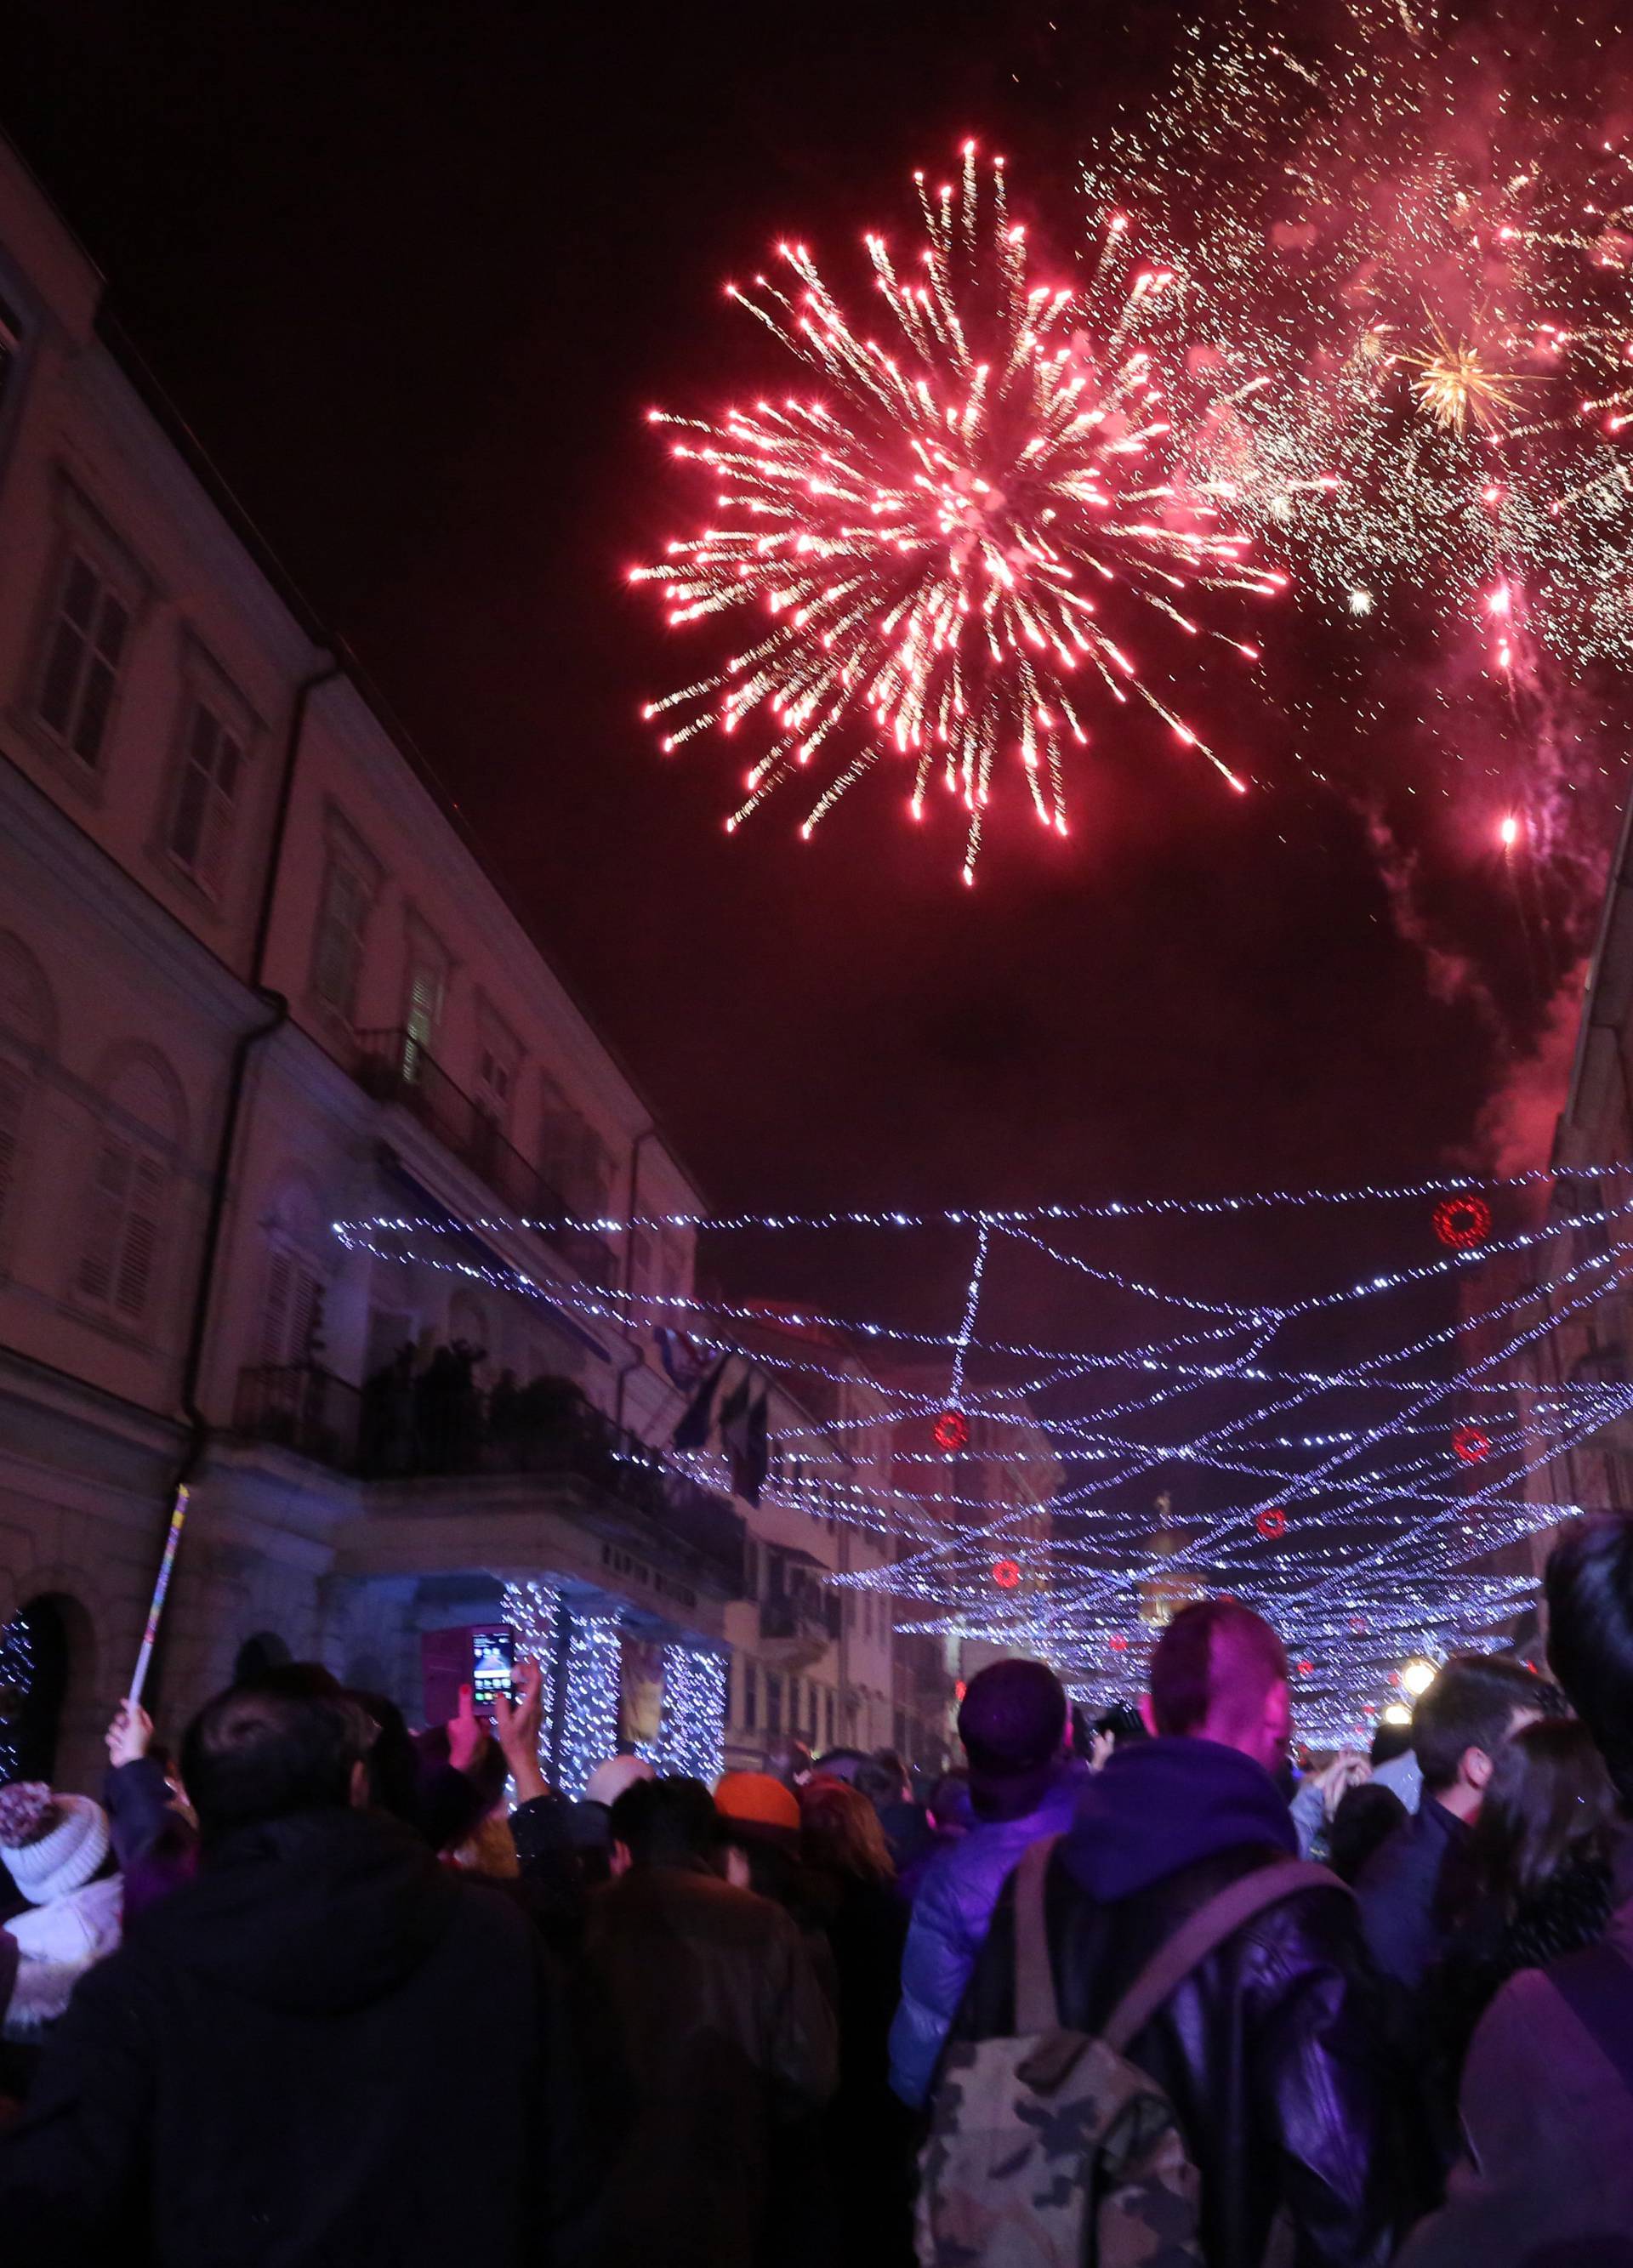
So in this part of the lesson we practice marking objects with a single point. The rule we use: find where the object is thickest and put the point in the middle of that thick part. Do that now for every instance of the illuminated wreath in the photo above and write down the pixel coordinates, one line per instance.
(1118, 1643)
(1006, 1573)
(1271, 1523)
(1472, 1443)
(952, 1430)
(1462, 1222)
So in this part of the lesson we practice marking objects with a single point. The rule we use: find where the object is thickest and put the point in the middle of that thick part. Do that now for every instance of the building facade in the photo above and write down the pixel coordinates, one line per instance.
(254, 982)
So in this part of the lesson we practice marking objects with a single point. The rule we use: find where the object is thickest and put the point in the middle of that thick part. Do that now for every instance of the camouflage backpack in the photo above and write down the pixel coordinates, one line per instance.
(1051, 2150)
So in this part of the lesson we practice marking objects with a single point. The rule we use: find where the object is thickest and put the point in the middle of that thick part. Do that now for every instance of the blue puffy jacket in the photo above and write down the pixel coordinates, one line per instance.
(951, 1919)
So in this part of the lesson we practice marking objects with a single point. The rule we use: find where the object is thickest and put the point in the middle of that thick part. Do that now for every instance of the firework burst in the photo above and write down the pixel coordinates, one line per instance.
(962, 539)
(1420, 275)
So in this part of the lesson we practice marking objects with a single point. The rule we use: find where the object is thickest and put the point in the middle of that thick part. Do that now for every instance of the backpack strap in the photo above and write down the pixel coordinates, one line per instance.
(1201, 1933)
(1596, 1985)
(1037, 2009)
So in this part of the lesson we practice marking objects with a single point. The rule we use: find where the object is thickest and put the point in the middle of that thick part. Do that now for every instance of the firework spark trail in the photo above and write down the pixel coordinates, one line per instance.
(965, 535)
(1418, 270)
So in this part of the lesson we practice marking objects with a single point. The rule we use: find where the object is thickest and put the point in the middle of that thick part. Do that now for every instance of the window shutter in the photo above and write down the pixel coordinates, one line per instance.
(13, 1093)
(275, 1313)
(105, 1215)
(307, 1307)
(139, 1247)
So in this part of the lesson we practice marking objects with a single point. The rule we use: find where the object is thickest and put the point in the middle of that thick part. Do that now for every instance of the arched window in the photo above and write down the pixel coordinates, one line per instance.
(44, 1649)
(126, 1202)
(27, 1035)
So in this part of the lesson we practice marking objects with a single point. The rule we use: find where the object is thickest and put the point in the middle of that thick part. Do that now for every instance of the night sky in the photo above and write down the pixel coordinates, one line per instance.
(413, 274)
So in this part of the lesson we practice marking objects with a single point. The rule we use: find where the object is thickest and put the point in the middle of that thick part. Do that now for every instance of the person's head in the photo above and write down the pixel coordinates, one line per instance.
(839, 1764)
(291, 1680)
(1366, 1816)
(842, 1834)
(50, 1844)
(1476, 1704)
(1390, 1741)
(253, 1755)
(789, 1761)
(1589, 1588)
(882, 1778)
(1219, 1673)
(393, 1760)
(664, 1823)
(607, 1783)
(761, 1806)
(1549, 1803)
(1012, 1722)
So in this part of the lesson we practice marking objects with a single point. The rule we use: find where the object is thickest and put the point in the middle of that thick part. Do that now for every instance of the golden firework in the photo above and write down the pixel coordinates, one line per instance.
(1455, 386)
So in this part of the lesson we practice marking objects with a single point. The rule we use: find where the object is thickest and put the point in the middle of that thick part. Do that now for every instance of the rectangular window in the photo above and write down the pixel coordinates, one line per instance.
(773, 1703)
(751, 1696)
(122, 1230)
(343, 922)
(201, 822)
(293, 1316)
(427, 987)
(82, 654)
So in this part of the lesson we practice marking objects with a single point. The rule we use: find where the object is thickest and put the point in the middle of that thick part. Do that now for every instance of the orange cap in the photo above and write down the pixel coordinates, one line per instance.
(757, 1798)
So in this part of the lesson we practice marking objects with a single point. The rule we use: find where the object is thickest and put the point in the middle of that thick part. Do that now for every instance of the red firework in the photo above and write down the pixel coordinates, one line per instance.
(953, 541)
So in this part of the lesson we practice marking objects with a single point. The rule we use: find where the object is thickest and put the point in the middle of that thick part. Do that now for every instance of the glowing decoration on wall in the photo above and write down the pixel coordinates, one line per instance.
(952, 1430)
(589, 1726)
(1463, 1221)
(1271, 1522)
(959, 541)
(1472, 1443)
(692, 1738)
(533, 1611)
(16, 1680)
(1006, 1573)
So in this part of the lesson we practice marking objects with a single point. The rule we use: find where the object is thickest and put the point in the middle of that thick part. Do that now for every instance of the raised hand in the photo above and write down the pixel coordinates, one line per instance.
(128, 1736)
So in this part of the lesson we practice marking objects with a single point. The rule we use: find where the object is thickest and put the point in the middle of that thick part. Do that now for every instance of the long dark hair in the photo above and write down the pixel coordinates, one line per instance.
(1550, 1805)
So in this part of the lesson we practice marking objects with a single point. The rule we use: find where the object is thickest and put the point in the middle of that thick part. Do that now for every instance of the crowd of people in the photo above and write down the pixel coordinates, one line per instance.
(318, 1990)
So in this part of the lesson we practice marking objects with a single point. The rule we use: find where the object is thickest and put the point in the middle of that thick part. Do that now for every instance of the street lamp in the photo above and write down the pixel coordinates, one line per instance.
(1396, 1713)
(1418, 1677)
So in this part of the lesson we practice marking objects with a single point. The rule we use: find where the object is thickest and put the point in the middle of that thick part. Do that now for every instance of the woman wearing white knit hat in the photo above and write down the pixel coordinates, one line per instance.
(56, 1848)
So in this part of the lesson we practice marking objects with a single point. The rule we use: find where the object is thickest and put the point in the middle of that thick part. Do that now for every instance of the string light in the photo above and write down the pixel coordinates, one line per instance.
(589, 1724)
(17, 1681)
(1322, 1494)
(532, 1611)
(691, 1736)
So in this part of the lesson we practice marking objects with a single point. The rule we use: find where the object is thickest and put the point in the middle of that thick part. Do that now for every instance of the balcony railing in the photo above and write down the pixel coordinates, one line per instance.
(437, 1424)
(395, 1067)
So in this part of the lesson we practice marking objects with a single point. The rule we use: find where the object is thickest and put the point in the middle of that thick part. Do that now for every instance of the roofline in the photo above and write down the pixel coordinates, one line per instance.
(150, 390)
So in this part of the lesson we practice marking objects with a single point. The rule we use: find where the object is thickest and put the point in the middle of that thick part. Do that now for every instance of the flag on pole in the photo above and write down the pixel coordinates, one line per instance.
(732, 1406)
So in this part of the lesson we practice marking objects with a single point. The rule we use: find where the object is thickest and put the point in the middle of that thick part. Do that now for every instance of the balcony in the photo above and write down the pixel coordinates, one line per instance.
(438, 1424)
(394, 1067)
(798, 1624)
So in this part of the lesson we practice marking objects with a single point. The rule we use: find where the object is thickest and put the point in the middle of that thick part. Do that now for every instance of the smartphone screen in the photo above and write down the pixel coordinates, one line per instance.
(493, 1661)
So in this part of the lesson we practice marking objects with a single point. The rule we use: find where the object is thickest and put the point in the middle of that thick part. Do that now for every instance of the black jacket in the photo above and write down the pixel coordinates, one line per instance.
(1410, 1890)
(728, 2043)
(1266, 2051)
(325, 2052)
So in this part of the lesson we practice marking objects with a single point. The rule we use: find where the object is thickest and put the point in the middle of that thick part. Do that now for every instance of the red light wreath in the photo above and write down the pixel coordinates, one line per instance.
(952, 1430)
(1463, 1222)
(1006, 1573)
(1471, 1444)
(1272, 1521)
